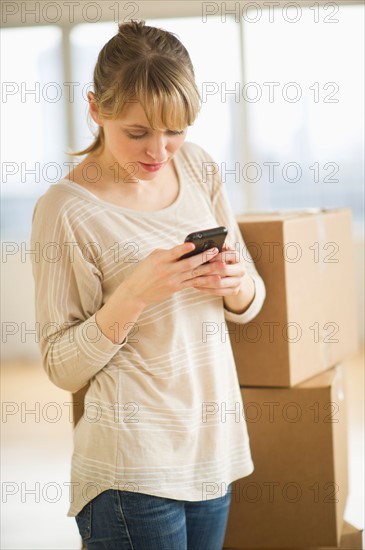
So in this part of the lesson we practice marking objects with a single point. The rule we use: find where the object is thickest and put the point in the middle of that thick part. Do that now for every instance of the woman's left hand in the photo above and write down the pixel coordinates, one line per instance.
(230, 271)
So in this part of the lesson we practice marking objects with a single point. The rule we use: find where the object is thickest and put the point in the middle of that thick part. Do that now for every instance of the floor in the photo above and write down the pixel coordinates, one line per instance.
(36, 441)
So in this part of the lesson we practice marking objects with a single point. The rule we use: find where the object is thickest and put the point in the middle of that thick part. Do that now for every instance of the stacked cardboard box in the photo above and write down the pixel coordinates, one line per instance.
(308, 321)
(288, 363)
(351, 539)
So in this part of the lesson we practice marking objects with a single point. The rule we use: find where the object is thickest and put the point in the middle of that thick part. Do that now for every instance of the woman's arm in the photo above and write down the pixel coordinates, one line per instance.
(240, 302)
(68, 292)
(79, 333)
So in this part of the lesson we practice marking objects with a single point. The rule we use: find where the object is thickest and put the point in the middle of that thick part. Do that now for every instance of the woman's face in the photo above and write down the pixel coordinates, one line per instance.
(135, 147)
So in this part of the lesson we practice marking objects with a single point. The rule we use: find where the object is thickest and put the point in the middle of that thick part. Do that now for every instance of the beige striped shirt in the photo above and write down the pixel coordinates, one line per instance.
(163, 412)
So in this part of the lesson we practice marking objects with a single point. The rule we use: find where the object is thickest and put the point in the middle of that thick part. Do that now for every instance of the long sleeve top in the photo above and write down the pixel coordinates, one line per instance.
(163, 412)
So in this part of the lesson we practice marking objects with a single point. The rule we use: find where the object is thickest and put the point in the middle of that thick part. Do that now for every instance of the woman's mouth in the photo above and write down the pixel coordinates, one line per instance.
(151, 167)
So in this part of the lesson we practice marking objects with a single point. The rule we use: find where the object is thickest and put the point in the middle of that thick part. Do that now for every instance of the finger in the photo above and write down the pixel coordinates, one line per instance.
(177, 251)
(210, 254)
(217, 268)
(221, 268)
(193, 262)
(233, 270)
(218, 257)
(205, 269)
(225, 283)
(230, 256)
(228, 246)
(211, 281)
(217, 282)
(222, 287)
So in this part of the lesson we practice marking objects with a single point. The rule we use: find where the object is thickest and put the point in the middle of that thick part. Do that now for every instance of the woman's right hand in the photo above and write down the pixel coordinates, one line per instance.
(162, 273)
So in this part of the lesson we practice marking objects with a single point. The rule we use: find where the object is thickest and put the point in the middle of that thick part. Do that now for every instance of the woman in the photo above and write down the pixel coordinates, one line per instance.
(163, 433)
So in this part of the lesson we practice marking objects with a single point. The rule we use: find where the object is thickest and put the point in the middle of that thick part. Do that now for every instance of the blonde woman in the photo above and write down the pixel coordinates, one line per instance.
(163, 434)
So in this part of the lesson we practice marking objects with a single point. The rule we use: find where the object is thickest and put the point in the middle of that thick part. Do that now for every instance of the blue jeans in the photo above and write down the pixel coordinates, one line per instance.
(126, 520)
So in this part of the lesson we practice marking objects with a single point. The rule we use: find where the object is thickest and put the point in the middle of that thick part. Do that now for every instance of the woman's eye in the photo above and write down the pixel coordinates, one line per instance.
(132, 136)
(140, 136)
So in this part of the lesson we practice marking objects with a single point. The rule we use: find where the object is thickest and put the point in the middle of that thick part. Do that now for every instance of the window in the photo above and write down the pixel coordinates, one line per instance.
(304, 109)
(33, 121)
(282, 111)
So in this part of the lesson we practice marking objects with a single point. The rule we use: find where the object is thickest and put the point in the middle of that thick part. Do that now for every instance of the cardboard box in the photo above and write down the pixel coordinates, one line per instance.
(308, 321)
(297, 494)
(351, 539)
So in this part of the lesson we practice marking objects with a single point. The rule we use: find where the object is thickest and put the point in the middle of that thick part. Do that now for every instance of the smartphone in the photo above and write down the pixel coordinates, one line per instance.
(206, 239)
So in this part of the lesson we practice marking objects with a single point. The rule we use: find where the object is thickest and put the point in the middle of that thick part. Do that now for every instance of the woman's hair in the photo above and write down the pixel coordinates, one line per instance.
(148, 65)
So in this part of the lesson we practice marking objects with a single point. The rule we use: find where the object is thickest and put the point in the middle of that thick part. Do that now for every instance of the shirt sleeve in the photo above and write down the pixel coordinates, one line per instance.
(224, 216)
(68, 293)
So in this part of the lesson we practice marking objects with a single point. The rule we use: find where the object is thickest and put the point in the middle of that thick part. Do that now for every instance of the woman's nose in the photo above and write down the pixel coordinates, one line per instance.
(156, 148)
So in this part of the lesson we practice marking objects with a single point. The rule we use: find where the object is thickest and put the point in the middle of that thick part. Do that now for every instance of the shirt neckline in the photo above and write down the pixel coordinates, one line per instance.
(73, 186)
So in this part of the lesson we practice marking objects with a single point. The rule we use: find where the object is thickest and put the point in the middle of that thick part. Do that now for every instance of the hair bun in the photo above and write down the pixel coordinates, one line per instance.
(132, 24)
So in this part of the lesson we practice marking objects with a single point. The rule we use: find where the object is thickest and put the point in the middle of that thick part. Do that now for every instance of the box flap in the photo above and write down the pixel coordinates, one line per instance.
(323, 380)
(285, 214)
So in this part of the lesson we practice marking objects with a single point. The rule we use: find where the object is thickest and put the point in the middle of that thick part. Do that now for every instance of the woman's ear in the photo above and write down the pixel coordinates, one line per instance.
(94, 109)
